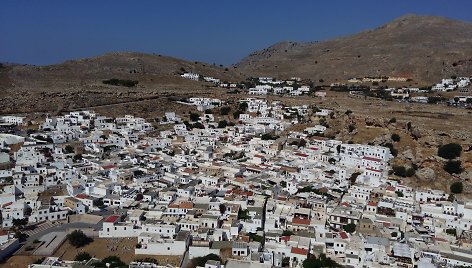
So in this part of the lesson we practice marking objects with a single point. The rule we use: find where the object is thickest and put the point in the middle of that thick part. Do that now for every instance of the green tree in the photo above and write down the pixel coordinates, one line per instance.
(322, 261)
(225, 110)
(98, 203)
(113, 262)
(243, 106)
(350, 228)
(456, 187)
(78, 239)
(450, 151)
(287, 233)
(453, 167)
(395, 137)
(19, 222)
(194, 117)
(399, 171)
(222, 124)
(353, 177)
(200, 261)
(69, 149)
(82, 256)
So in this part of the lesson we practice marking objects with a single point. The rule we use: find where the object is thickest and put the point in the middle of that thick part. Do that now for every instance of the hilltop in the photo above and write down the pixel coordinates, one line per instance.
(423, 48)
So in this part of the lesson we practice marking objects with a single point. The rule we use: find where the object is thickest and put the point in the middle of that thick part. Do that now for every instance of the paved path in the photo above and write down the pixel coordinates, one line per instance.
(40, 228)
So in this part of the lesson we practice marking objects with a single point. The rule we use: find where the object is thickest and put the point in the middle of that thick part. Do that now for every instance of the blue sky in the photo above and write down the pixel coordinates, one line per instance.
(221, 32)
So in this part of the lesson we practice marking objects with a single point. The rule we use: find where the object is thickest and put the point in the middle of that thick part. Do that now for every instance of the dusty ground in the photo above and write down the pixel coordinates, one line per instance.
(19, 261)
(101, 248)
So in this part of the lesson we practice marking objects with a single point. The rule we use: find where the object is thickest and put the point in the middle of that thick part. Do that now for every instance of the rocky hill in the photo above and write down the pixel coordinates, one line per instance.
(78, 84)
(423, 48)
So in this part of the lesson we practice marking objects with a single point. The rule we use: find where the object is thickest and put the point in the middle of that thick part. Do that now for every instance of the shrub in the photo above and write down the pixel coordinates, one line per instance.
(225, 110)
(287, 233)
(351, 128)
(450, 151)
(120, 82)
(222, 124)
(113, 262)
(350, 228)
(322, 261)
(395, 137)
(451, 231)
(69, 149)
(78, 239)
(399, 171)
(453, 167)
(392, 120)
(456, 187)
(82, 256)
(200, 261)
(399, 193)
(194, 117)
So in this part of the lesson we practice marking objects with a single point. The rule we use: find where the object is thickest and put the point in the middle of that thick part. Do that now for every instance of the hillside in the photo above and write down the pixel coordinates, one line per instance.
(423, 48)
(78, 83)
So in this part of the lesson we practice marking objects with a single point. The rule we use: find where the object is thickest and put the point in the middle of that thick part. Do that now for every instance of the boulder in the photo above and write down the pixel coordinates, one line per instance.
(426, 174)
(407, 155)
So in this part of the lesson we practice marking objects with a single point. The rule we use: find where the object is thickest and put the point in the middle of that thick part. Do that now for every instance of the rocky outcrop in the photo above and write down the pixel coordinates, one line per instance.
(426, 174)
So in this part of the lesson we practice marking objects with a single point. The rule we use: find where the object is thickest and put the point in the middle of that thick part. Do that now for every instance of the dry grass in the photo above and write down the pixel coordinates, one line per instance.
(102, 247)
(18, 261)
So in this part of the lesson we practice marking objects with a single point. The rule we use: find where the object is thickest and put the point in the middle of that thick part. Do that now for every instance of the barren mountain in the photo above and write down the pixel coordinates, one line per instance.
(424, 48)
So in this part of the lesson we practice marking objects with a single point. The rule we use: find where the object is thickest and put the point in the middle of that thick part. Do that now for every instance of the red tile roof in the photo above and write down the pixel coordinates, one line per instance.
(390, 188)
(301, 154)
(112, 218)
(372, 169)
(371, 158)
(299, 251)
(301, 221)
(108, 166)
(343, 235)
(285, 238)
(82, 196)
(7, 204)
(3, 232)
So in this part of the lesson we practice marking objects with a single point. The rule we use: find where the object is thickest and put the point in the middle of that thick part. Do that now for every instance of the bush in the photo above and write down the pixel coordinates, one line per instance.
(82, 256)
(450, 151)
(120, 82)
(351, 128)
(194, 117)
(69, 149)
(399, 171)
(350, 228)
(113, 261)
(225, 110)
(399, 193)
(287, 233)
(222, 124)
(200, 261)
(322, 261)
(456, 187)
(395, 137)
(451, 231)
(453, 167)
(78, 239)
